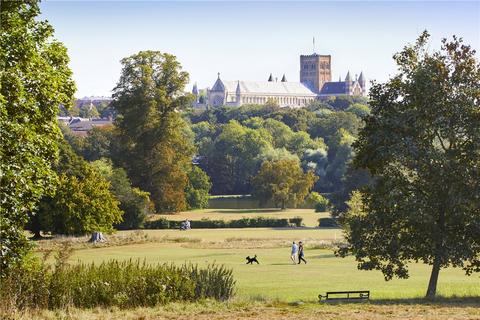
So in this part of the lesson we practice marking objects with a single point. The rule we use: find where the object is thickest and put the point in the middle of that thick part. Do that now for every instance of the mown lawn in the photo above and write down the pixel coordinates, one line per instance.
(276, 278)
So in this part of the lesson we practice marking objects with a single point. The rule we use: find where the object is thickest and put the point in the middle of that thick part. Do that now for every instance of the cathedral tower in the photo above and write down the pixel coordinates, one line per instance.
(315, 70)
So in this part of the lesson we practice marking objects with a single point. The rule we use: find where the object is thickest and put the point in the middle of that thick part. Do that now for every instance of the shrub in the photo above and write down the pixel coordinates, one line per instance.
(257, 222)
(296, 221)
(123, 284)
(327, 222)
(323, 204)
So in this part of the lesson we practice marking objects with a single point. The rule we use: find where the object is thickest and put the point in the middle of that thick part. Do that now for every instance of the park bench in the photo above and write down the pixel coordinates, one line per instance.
(345, 295)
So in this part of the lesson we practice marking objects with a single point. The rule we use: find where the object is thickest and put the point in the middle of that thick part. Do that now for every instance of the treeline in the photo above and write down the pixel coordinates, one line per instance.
(234, 142)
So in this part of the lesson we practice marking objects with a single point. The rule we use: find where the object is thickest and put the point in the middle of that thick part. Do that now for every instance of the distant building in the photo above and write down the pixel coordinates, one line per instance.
(81, 126)
(315, 83)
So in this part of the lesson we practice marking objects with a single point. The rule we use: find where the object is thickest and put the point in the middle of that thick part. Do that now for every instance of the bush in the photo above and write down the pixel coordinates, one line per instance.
(296, 221)
(323, 204)
(123, 284)
(258, 222)
(327, 222)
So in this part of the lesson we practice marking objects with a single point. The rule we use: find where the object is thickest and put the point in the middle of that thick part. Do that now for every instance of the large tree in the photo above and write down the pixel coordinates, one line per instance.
(82, 201)
(34, 81)
(157, 148)
(282, 182)
(421, 143)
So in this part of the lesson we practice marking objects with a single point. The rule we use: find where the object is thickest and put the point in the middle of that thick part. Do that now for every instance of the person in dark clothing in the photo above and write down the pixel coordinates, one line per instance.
(300, 253)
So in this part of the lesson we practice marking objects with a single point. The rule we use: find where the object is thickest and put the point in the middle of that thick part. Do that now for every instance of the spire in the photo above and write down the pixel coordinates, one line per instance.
(348, 78)
(284, 79)
(270, 79)
(237, 91)
(361, 79)
(339, 78)
(195, 89)
(218, 74)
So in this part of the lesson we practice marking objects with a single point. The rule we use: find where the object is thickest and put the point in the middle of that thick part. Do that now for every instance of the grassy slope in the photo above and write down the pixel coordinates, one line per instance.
(276, 277)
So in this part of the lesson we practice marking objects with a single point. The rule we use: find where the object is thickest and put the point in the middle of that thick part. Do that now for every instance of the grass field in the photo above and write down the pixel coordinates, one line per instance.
(275, 289)
(276, 278)
(310, 217)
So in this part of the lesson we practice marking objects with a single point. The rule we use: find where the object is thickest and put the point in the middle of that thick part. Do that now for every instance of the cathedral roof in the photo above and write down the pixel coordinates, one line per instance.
(268, 87)
(334, 88)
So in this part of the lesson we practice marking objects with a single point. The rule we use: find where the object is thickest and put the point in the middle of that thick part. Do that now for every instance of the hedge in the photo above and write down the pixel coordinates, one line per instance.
(258, 222)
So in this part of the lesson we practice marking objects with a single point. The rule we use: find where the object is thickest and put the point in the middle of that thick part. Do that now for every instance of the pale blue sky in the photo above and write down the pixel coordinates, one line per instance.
(249, 40)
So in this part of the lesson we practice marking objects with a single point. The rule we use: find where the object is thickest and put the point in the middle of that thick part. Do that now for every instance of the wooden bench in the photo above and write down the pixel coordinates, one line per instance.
(345, 295)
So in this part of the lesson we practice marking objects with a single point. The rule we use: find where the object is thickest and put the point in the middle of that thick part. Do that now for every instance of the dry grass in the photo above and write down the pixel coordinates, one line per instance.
(269, 310)
(114, 240)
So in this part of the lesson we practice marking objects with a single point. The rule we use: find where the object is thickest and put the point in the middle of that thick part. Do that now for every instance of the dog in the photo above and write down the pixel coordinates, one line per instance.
(252, 260)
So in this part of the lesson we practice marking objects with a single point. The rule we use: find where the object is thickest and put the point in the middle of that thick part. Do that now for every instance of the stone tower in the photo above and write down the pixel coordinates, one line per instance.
(315, 70)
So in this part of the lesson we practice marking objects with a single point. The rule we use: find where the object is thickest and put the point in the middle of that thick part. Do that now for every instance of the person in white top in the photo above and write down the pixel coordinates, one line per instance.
(294, 252)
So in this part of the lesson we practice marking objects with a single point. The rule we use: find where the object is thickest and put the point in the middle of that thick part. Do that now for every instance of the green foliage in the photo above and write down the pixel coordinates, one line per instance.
(99, 143)
(155, 145)
(421, 144)
(360, 110)
(134, 203)
(197, 188)
(343, 102)
(282, 181)
(232, 159)
(125, 284)
(257, 222)
(319, 202)
(82, 202)
(81, 206)
(34, 81)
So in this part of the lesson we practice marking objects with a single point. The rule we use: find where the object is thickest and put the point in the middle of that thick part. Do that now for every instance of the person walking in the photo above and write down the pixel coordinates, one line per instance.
(300, 253)
(294, 252)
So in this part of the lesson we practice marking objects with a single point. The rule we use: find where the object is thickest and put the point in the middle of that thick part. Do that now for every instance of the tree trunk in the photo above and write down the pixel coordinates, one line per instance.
(432, 284)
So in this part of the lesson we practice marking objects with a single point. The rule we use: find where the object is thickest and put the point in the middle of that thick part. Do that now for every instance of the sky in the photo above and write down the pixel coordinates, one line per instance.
(250, 40)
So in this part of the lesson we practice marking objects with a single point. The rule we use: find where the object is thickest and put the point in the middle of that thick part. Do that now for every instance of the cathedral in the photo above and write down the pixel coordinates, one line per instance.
(315, 83)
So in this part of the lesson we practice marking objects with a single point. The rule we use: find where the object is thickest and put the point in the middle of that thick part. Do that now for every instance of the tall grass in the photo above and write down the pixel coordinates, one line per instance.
(126, 284)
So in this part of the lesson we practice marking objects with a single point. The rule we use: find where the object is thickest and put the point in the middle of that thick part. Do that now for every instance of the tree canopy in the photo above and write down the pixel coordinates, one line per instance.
(34, 80)
(156, 144)
(421, 143)
(283, 182)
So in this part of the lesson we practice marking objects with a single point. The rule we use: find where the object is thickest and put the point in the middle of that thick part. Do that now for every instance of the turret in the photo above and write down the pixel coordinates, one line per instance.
(284, 79)
(195, 92)
(270, 79)
(363, 83)
(348, 83)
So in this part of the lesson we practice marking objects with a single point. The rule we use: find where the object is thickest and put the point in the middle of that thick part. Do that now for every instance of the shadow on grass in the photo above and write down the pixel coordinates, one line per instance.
(467, 301)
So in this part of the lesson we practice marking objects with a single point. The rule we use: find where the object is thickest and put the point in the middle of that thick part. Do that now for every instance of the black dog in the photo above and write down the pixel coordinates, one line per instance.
(252, 260)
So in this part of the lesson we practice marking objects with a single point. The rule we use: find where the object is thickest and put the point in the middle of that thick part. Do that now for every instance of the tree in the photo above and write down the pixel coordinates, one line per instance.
(82, 201)
(360, 110)
(282, 181)
(234, 157)
(99, 143)
(81, 206)
(34, 81)
(197, 188)
(421, 143)
(134, 203)
(157, 148)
